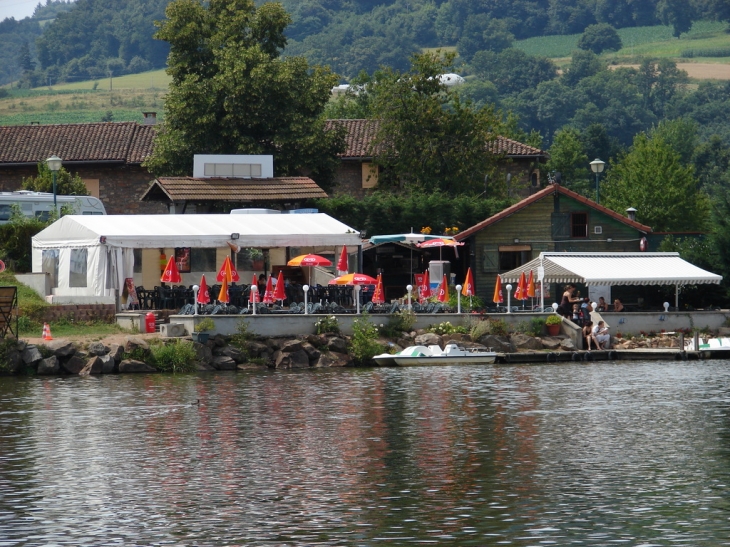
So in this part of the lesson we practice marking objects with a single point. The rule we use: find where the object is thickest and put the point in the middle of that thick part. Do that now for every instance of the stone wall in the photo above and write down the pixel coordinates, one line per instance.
(80, 312)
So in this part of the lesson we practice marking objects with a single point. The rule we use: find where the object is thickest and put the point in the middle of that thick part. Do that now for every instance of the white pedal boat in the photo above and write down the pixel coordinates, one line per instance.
(434, 355)
(710, 343)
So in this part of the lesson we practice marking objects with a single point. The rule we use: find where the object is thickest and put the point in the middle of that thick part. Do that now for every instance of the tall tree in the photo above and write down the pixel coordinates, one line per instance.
(678, 13)
(599, 38)
(232, 93)
(429, 139)
(568, 158)
(652, 178)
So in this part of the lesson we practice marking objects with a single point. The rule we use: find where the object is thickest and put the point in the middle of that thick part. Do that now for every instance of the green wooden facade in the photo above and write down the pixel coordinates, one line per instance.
(555, 219)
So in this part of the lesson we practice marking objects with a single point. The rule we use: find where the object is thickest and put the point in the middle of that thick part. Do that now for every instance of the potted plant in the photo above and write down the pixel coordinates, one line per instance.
(200, 333)
(552, 323)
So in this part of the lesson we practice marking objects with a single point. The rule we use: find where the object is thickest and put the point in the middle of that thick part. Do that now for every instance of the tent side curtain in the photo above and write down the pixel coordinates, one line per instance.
(616, 269)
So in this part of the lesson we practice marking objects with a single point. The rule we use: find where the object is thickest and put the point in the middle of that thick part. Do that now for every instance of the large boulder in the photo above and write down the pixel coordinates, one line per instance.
(312, 352)
(337, 344)
(134, 342)
(92, 366)
(257, 349)
(500, 344)
(567, 345)
(132, 365)
(61, 348)
(31, 355)
(116, 352)
(107, 363)
(74, 364)
(297, 359)
(291, 346)
(525, 342)
(97, 348)
(13, 360)
(223, 362)
(551, 342)
(333, 359)
(49, 365)
(233, 352)
(428, 339)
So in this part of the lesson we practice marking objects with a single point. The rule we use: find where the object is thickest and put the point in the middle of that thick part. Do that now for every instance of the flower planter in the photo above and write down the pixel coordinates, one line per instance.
(200, 337)
(553, 330)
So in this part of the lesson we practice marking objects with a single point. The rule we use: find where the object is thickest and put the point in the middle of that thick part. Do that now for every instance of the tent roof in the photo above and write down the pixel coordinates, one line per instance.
(615, 269)
(159, 231)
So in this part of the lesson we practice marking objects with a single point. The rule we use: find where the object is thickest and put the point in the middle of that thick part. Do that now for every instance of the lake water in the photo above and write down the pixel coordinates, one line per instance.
(634, 454)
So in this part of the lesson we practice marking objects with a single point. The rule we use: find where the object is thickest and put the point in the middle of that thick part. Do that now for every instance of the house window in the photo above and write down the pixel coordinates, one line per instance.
(202, 260)
(579, 225)
(137, 261)
(513, 256)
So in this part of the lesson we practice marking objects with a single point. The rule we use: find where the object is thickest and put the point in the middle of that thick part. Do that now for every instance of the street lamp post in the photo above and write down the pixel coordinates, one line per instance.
(54, 164)
(597, 167)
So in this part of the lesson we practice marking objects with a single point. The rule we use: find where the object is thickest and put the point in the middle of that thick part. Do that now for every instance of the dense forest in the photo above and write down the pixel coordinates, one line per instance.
(87, 39)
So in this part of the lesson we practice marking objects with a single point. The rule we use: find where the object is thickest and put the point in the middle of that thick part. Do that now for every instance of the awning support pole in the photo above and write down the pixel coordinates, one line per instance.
(676, 297)
(542, 286)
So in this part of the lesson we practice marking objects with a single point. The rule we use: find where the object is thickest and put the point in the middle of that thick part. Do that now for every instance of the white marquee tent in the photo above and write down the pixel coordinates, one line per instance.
(615, 269)
(93, 254)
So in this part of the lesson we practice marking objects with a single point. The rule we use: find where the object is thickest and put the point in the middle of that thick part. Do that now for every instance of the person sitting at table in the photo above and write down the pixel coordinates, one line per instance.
(617, 305)
(587, 332)
(602, 305)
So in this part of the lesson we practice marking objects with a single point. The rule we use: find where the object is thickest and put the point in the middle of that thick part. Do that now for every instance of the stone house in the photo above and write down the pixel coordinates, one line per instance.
(358, 174)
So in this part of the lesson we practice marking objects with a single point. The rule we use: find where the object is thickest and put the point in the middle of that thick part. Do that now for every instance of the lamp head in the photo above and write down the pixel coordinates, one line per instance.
(666, 306)
(54, 163)
(597, 165)
(458, 287)
(555, 306)
(196, 288)
(305, 288)
(508, 287)
(409, 288)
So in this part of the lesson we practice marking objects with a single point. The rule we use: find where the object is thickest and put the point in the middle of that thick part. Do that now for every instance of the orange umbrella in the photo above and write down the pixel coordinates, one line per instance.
(443, 291)
(379, 294)
(468, 288)
(223, 295)
(498, 298)
(269, 292)
(227, 271)
(531, 285)
(279, 292)
(342, 265)
(354, 279)
(425, 288)
(203, 293)
(171, 273)
(309, 260)
(254, 296)
(521, 292)
(441, 242)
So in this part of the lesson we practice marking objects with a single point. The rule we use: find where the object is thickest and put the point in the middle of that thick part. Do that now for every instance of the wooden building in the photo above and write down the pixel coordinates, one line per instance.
(553, 219)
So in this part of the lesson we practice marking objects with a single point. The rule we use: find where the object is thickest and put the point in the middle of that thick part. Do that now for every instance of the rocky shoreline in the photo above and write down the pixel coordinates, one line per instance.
(65, 357)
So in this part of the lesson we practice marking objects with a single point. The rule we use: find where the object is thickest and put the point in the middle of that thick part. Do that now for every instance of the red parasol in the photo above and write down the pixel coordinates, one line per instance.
(254, 296)
(379, 294)
(269, 292)
(521, 292)
(227, 271)
(279, 291)
(468, 287)
(443, 291)
(425, 288)
(441, 242)
(223, 295)
(354, 279)
(498, 298)
(171, 273)
(342, 265)
(531, 285)
(203, 293)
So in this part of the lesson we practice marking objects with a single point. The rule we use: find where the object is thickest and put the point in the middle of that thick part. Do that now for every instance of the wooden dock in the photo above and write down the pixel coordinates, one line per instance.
(642, 354)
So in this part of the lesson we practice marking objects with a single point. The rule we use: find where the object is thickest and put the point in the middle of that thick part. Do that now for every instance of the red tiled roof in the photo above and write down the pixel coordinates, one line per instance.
(545, 192)
(124, 142)
(232, 189)
(360, 133)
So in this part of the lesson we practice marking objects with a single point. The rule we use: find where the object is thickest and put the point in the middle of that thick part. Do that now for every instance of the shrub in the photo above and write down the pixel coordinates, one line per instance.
(178, 356)
(364, 345)
(496, 327)
(205, 325)
(327, 324)
(399, 322)
(532, 327)
(446, 328)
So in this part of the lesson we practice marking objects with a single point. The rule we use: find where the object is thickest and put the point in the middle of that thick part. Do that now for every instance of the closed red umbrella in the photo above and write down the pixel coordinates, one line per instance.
(425, 288)
(203, 293)
(498, 297)
(227, 271)
(342, 265)
(521, 292)
(379, 294)
(279, 291)
(269, 292)
(171, 273)
(468, 288)
(443, 291)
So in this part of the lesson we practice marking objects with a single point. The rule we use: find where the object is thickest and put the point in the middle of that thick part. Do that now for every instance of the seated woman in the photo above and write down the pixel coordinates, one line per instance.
(587, 332)
(617, 305)
(602, 305)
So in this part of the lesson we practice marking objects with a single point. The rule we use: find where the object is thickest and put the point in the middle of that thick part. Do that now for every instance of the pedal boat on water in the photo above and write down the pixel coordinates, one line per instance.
(434, 355)
(708, 344)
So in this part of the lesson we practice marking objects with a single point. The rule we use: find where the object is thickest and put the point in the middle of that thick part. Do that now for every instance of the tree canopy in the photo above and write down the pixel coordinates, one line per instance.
(67, 184)
(232, 93)
(600, 38)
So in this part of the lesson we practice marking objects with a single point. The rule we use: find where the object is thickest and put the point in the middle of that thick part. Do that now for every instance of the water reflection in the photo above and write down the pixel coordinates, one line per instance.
(566, 454)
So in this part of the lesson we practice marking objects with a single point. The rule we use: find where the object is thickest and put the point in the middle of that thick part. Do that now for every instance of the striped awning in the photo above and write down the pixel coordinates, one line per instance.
(615, 269)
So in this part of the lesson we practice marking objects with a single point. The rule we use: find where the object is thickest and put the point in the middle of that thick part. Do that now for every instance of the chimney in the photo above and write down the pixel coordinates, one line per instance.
(150, 118)
(631, 213)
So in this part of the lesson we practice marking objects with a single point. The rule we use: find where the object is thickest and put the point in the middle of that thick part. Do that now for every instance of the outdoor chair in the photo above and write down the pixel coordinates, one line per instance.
(394, 308)
(216, 310)
(368, 307)
(416, 307)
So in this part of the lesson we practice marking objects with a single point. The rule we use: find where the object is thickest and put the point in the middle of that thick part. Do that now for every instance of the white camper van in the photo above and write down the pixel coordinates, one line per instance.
(40, 204)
